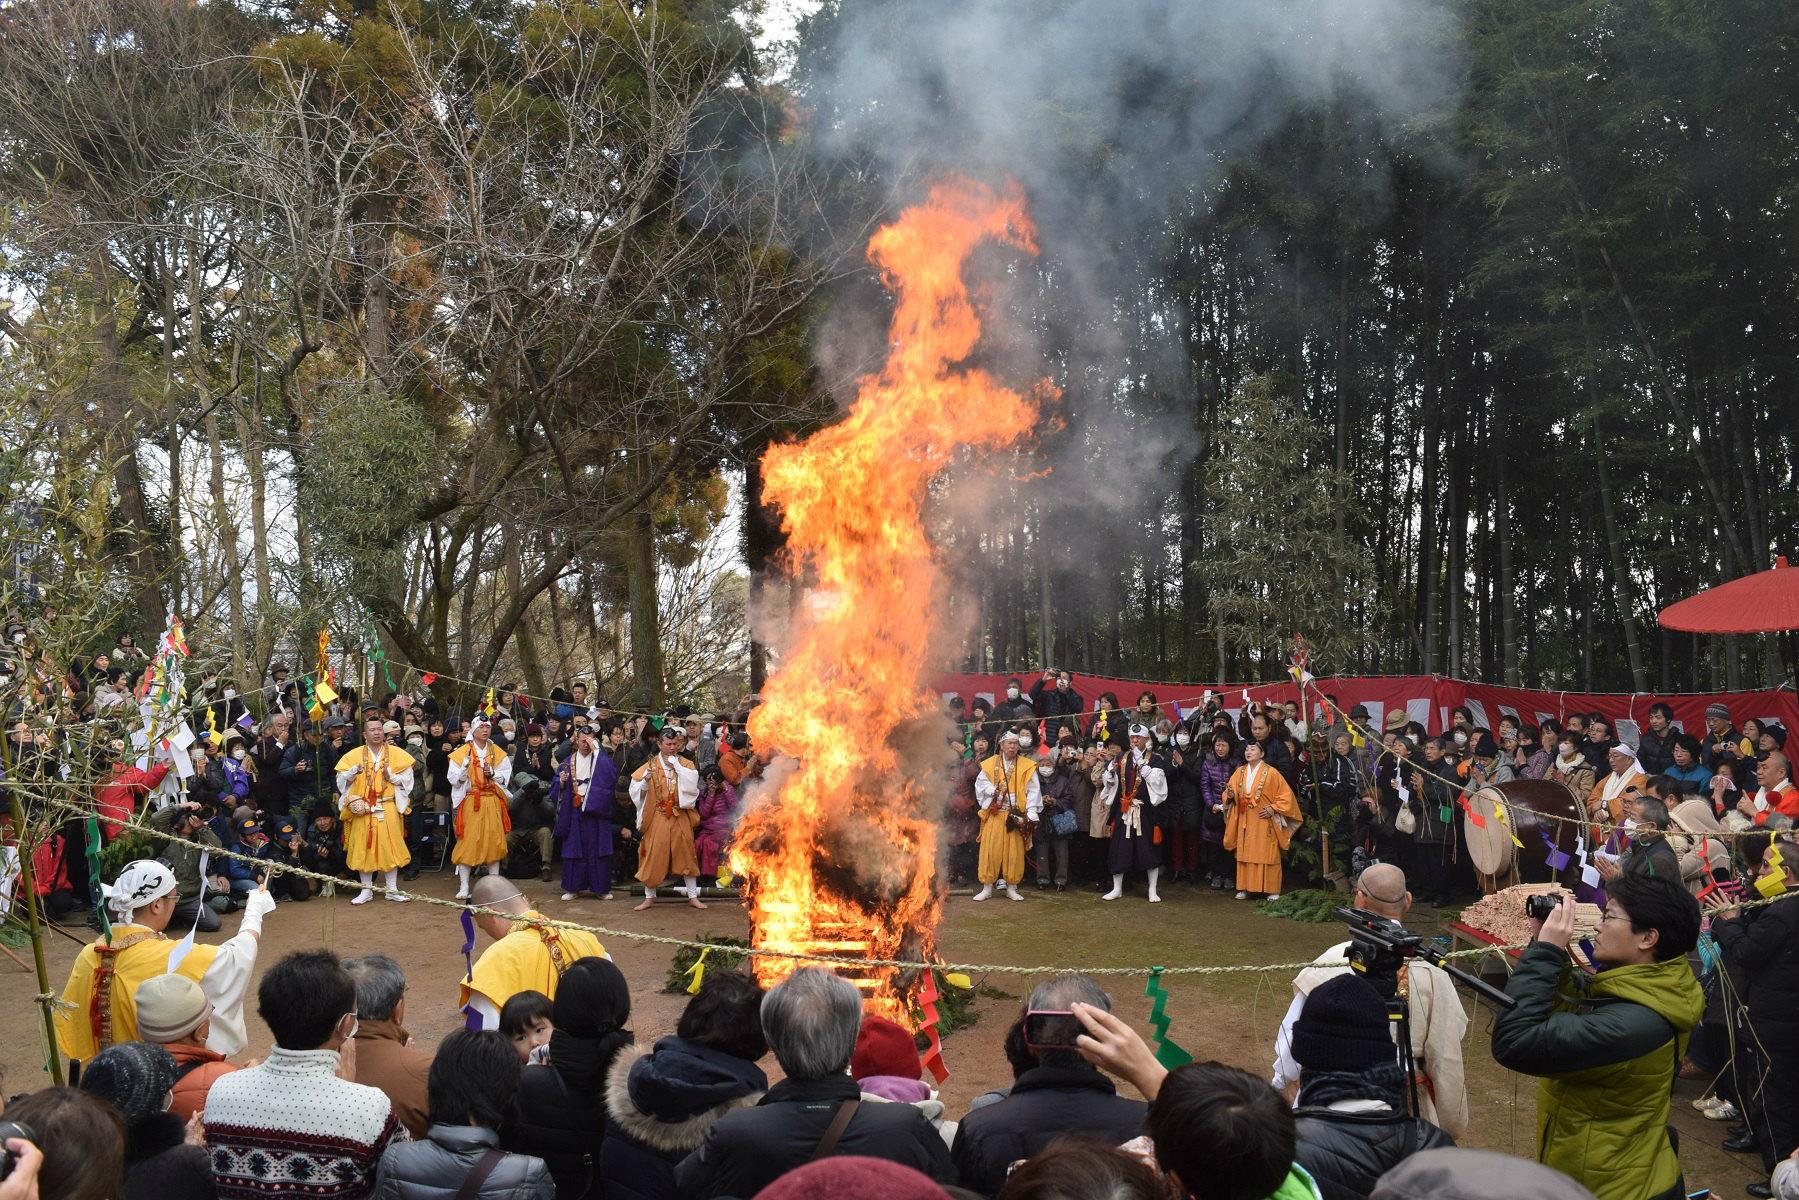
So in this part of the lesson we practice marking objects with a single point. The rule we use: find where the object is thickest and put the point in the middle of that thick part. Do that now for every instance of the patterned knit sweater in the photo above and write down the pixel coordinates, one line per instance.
(290, 1127)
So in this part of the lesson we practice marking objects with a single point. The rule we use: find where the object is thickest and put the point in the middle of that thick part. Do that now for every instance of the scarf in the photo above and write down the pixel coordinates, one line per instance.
(1321, 1089)
(1614, 783)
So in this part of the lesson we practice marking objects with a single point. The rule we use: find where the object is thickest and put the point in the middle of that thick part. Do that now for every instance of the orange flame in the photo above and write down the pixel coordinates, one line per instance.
(841, 859)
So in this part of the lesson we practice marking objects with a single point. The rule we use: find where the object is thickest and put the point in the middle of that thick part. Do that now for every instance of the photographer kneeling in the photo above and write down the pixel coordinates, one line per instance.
(1607, 1045)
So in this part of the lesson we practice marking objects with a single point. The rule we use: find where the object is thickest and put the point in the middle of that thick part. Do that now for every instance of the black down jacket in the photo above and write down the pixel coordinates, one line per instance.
(1347, 1152)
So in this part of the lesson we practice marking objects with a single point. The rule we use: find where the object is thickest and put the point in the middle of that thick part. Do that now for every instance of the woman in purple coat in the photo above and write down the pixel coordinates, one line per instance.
(582, 794)
(1215, 862)
(718, 817)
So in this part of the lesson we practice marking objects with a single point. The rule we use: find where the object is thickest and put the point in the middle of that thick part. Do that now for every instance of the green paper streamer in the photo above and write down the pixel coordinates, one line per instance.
(93, 879)
(1168, 1053)
(371, 641)
(1445, 814)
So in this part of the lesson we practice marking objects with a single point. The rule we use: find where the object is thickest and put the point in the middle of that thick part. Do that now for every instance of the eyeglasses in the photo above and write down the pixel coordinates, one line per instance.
(1604, 917)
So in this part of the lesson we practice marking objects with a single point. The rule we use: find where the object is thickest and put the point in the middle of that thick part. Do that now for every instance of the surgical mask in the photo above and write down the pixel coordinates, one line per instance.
(1160, 736)
(1630, 823)
(238, 753)
(415, 741)
(1062, 684)
(1461, 739)
(1182, 740)
(1566, 749)
(1046, 770)
(1024, 746)
(1011, 693)
(230, 693)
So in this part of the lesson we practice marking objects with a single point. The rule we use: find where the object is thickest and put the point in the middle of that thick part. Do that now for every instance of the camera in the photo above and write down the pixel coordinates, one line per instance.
(8, 1131)
(1539, 908)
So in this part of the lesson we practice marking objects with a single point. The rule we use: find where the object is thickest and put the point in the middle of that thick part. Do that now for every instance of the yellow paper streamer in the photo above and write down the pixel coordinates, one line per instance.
(1499, 812)
(697, 972)
(1773, 882)
(958, 980)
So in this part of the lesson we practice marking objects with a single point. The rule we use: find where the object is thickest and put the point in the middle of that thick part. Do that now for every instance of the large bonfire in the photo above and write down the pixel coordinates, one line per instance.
(840, 854)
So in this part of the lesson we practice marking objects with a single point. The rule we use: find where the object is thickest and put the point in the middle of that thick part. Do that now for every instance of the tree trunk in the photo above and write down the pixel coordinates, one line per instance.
(1502, 527)
(640, 580)
(529, 662)
(135, 539)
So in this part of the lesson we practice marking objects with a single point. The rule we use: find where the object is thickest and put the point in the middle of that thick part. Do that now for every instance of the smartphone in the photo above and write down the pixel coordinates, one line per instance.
(1048, 1030)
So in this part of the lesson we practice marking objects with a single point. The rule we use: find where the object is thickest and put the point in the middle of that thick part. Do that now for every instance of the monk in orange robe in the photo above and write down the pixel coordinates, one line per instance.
(1260, 815)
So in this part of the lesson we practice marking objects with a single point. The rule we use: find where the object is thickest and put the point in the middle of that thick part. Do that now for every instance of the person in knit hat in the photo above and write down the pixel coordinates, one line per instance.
(172, 1012)
(135, 1078)
(853, 1177)
(886, 1066)
(1352, 1123)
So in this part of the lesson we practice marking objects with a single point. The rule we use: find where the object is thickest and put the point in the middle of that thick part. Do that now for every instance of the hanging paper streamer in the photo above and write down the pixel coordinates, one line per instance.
(371, 644)
(1499, 815)
(959, 981)
(697, 972)
(927, 1008)
(1167, 1053)
(468, 957)
(1774, 881)
(93, 875)
(1589, 874)
(428, 678)
(1557, 858)
(1474, 818)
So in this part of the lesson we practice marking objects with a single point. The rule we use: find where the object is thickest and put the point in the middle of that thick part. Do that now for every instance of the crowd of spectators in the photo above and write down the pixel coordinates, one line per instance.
(561, 1102)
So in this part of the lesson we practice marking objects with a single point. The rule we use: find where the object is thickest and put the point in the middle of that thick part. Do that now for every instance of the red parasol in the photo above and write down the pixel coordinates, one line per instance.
(1766, 602)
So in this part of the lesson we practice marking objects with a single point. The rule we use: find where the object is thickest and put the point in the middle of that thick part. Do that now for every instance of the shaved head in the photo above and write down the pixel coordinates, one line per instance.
(1779, 762)
(498, 892)
(1382, 890)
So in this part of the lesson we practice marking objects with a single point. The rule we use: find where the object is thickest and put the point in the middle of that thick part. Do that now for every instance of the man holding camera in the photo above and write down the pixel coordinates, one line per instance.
(1607, 1046)
(1434, 1011)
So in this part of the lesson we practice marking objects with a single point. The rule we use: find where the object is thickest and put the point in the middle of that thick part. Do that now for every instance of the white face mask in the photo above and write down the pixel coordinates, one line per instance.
(1630, 823)
(1024, 747)
(415, 741)
(1046, 770)
(1011, 693)
(1567, 751)
(1062, 684)
(238, 753)
(1182, 740)
(1160, 736)
(1461, 739)
(230, 693)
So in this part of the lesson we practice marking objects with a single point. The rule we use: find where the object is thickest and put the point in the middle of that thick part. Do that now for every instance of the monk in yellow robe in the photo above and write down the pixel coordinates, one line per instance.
(1260, 815)
(526, 956)
(374, 793)
(99, 1003)
(1008, 796)
(666, 791)
(479, 773)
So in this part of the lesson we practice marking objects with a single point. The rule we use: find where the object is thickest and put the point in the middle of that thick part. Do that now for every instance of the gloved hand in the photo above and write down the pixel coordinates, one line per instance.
(256, 904)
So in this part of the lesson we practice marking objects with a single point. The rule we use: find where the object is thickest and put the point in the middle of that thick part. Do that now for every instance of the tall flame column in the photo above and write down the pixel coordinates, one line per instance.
(840, 858)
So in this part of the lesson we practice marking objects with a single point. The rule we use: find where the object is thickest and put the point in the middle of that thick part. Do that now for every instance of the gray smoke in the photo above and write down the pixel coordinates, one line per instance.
(1116, 116)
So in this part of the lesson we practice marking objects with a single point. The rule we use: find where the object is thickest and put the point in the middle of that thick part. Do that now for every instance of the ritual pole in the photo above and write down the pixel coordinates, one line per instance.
(28, 886)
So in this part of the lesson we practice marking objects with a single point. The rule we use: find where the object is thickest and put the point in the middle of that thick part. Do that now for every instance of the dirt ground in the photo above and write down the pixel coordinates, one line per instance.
(1231, 1018)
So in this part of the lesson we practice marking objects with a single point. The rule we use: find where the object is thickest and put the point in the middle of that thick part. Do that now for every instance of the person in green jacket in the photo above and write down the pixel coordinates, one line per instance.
(1607, 1046)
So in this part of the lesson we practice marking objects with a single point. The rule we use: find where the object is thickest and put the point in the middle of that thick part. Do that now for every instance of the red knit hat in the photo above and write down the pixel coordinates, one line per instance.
(851, 1177)
(885, 1048)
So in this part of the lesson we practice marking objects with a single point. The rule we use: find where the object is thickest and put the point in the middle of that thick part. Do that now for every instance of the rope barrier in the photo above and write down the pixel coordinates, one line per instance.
(790, 955)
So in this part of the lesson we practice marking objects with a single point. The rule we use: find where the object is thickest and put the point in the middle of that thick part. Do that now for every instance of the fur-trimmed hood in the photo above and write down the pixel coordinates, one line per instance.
(667, 1097)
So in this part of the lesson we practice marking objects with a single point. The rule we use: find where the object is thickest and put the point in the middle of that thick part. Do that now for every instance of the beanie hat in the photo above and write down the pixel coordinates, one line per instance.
(1343, 1027)
(134, 1077)
(1720, 711)
(169, 1007)
(852, 1177)
(884, 1047)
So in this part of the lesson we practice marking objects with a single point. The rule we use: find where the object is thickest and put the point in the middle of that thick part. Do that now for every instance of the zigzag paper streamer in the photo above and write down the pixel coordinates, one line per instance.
(927, 1007)
(1167, 1052)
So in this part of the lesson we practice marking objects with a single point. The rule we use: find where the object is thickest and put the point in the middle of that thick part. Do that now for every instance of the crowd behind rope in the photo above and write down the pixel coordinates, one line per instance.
(1053, 789)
